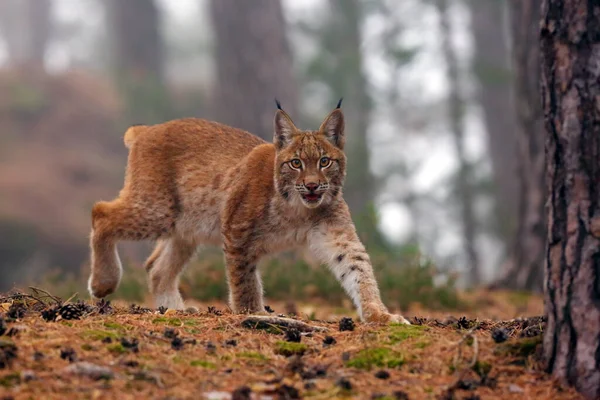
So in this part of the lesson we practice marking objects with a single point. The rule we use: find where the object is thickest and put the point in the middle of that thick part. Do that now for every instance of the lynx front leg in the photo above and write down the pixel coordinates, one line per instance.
(340, 248)
(245, 287)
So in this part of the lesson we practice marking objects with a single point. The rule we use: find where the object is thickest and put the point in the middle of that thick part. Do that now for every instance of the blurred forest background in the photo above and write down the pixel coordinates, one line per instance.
(443, 123)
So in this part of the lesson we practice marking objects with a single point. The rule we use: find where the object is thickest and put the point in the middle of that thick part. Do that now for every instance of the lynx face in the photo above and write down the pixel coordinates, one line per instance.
(310, 166)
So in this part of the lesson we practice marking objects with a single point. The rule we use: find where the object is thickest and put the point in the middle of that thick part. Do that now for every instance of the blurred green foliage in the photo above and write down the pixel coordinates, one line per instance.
(404, 277)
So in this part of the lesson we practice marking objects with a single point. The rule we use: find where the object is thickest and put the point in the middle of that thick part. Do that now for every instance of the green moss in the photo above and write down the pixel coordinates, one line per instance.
(376, 357)
(253, 355)
(86, 347)
(203, 364)
(95, 334)
(117, 348)
(290, 348)
(192, 331)
(113, 326)
(399, 333)
(520, 347)
(167, 321)
(10, 380)
(422, 344)
(190, 322)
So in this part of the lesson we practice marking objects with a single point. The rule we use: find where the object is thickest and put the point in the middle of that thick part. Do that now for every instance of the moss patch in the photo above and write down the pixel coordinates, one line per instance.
(399, 333)
(376, 357)
(253, 355)
(117, 348)
(10, 380)
(290, 348)
(203, 364)
(113, 326)
(96, 334)
(520, 347)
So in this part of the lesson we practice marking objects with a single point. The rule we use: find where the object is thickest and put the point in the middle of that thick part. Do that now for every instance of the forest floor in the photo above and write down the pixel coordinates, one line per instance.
(120, 351)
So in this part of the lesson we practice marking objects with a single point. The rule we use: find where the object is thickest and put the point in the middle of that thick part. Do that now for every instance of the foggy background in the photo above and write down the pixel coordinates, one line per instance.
(434, 174)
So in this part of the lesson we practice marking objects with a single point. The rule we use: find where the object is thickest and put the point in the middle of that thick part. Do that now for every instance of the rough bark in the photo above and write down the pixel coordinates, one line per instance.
(491, 65)
(456, 106)
(254, 64)
(26, 27)
(570, 52)
(526, 271)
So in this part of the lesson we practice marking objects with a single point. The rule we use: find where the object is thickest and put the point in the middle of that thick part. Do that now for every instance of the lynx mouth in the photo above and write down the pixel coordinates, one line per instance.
(312, 197)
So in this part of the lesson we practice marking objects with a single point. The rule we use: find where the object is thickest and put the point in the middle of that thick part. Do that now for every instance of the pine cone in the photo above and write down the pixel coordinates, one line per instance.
(70, 311)
(50, 314)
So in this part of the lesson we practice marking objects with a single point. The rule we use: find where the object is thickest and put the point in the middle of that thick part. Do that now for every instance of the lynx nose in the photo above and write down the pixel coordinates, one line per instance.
(311, 186)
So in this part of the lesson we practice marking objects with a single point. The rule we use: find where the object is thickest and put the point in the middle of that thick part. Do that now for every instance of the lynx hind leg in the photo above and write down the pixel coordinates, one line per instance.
(164, 268)
(111, 222)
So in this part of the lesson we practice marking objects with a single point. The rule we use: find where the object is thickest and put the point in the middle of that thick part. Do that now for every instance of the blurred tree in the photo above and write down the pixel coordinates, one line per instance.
(338, 67)
(137, 48)
(26, 26)
(456, 106)
(525, 271)
(492, 70)
(254, 65)
(570, 80)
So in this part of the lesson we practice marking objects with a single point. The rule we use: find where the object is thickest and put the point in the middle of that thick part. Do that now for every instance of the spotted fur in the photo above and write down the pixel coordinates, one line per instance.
(191, 181)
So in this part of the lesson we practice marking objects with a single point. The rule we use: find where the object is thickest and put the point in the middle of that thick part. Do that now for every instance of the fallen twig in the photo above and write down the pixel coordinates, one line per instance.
(267, 322)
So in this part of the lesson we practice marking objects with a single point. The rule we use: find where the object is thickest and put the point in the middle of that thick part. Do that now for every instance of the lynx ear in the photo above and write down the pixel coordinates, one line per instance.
(284, 128)
(333, 127)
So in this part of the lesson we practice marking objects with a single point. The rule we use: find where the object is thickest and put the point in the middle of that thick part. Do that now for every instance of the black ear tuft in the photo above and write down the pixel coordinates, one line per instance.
(339, 104)
(278, 105)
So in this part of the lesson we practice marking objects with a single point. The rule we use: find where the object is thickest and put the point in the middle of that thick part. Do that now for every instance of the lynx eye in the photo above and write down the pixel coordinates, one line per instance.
(296, 163)
(324, 162)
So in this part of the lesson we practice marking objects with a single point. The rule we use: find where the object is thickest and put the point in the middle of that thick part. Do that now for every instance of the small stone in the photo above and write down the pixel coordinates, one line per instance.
(89, 370)
(382, 374)
(346, 324)
(329, 341)
(344, 383)
(514, 388)
(499, 335)
(293, 335)
(28, 375)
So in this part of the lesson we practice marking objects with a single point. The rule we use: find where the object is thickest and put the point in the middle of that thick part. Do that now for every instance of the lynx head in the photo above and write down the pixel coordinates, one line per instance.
(310, 166)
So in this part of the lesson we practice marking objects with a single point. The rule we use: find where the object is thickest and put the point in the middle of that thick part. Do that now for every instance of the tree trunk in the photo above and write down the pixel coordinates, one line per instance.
(254, 65)
(456, 106)
(491, 66)
(26, 27)
(346, 42)
(570, 52)
(526, 271)
(138, 52)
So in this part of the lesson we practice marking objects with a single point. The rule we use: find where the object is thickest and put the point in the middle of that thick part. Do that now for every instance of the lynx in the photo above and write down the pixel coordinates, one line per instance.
(190, 182)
